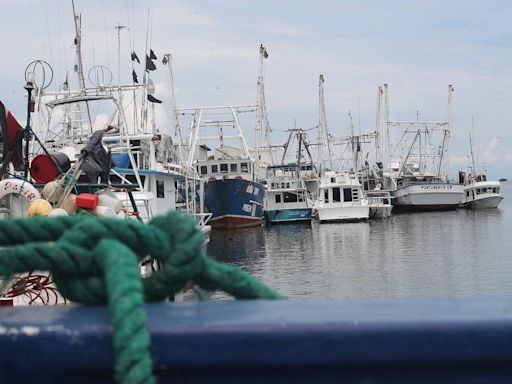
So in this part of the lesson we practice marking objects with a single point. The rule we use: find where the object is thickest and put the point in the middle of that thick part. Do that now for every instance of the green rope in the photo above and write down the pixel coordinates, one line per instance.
(96, 261)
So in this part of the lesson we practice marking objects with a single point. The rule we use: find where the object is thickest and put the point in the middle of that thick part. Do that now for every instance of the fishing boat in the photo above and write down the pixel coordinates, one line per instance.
(83, 139)
(234, 194)
(479, 193)
(287, 196)
(341, 198)
(417, 178)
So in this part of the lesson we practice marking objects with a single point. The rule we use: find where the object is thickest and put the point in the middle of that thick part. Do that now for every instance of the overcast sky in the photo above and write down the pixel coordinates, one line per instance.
(417, 47)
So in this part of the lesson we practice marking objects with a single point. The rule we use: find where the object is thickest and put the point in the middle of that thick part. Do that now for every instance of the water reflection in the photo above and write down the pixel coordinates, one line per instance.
(419, 254)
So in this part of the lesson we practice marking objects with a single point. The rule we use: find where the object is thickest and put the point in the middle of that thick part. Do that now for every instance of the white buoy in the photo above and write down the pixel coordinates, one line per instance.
(58, 212)
(103, 211)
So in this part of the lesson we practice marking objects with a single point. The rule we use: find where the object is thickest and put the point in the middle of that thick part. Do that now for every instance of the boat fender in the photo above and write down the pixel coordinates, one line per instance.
(21, 187)
(103, 211)
(58, 212)
(39, 207)
(53, 191)
(69, 204)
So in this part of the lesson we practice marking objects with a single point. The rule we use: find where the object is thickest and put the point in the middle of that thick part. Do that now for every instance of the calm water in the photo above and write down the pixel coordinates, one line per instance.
(456, 253)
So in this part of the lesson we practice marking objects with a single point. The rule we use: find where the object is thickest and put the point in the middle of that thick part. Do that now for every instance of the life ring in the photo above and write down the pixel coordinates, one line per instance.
(20, 187)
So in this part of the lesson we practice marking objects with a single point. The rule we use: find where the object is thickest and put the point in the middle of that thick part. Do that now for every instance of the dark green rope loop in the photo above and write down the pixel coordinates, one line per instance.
(96, 261)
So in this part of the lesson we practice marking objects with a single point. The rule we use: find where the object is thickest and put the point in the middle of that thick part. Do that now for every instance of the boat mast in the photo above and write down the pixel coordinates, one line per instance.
(471, 133)
(263, 130)
(167, 60)
(378, 126)
(79, 64)
(323, 135)
(388, 138)
(447, 130)
(119, 27)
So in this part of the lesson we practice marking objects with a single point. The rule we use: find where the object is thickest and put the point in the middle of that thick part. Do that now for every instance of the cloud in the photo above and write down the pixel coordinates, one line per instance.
(418, 48)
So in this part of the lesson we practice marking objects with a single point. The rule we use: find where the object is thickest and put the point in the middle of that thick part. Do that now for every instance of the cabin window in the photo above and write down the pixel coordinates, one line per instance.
(233, 167)
(215, 168)
(287, 185)
(278, 198)
(478, 191)
(160, 193)
(300, 196)
(336, 197)
(244, 167)
(498, 190)
(326, 196)
(290, 197)
(385, 201)
(333, 180)
(204, 169)
(467, 193)
(223, 168)
(347, 194)
(494, 190)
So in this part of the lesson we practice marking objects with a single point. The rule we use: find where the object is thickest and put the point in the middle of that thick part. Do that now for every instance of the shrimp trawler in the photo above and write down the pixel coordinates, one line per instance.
(288, 198)
(417, 178)
(83, 139)
(234, 194)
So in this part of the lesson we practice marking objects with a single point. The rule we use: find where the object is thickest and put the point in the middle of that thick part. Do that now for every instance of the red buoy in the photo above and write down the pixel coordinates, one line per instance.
(87, 200)
(43, 169)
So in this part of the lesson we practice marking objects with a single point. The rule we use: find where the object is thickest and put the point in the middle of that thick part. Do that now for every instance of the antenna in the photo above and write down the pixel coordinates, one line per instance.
(119, 28)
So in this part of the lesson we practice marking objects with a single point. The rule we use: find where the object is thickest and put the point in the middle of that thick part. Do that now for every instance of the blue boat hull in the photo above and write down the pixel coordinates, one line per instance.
(285, 215)
(234, 203)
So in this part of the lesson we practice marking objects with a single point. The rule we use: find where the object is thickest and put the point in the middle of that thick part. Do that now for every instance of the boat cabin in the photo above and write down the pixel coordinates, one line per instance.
(218, 169)
(336, 188)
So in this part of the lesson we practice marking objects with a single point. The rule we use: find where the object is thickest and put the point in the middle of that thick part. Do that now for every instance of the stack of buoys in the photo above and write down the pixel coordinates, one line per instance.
(56, 201)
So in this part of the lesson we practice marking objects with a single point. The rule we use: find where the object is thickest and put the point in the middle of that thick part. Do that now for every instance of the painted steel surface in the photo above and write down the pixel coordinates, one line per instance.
(429, 196)
(354, 341)
(234, 202)
(292, 214)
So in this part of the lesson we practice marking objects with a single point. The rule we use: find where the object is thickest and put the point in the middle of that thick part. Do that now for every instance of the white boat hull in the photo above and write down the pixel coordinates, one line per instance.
(482, 195)
(345, 213)
(428, 196)
(488, 202)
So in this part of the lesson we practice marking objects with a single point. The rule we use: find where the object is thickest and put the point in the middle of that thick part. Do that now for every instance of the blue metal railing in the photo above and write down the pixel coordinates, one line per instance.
(444, 340)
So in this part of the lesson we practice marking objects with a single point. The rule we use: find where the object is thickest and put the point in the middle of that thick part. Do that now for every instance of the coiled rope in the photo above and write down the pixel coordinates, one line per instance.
(96, 261)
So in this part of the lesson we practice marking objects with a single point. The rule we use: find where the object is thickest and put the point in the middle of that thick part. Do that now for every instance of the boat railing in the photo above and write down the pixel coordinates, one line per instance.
(202, 218)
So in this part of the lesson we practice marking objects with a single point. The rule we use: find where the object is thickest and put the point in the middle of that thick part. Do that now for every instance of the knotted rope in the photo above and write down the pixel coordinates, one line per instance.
(96, 261)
